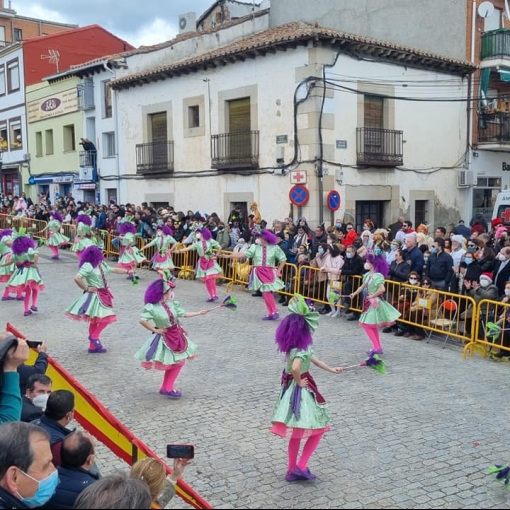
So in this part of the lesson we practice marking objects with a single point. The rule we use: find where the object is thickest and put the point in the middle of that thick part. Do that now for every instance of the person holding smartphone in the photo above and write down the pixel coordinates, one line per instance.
(168, 347)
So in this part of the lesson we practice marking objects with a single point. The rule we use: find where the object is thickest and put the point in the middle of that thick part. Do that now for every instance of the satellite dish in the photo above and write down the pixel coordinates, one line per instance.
(485, 9)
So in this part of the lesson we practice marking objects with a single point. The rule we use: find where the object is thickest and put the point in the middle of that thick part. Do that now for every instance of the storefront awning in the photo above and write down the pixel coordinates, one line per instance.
(504, 74)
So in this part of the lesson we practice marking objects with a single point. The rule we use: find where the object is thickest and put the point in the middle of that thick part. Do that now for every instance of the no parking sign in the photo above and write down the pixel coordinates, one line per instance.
(333, 200)
(299, 195)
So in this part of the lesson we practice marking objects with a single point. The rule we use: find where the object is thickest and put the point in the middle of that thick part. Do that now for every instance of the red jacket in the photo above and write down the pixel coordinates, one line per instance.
(350, 238)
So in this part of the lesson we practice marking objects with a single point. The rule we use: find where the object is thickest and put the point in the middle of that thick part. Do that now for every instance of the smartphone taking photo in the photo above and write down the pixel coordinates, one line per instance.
(34, 344)
(180, 451)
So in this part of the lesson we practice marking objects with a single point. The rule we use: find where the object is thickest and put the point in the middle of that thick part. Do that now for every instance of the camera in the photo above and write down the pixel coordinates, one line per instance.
(34, 344)
(180, 451)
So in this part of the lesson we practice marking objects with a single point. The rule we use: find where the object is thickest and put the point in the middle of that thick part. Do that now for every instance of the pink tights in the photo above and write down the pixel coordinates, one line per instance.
(30, 293)
(54, 250)
(210, 285)
(310, 446)
(96, 327)
(270, 303)
(171, 375)
(373, 334)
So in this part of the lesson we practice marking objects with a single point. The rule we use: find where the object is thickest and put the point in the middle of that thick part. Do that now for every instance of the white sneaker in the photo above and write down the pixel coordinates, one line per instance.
(337, 313)
(330, 314)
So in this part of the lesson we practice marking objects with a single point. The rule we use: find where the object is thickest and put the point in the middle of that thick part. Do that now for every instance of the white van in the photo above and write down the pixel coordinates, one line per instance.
(502, 208)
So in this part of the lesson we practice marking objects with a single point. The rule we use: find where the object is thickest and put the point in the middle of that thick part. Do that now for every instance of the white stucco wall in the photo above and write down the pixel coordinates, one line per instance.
(434, 133)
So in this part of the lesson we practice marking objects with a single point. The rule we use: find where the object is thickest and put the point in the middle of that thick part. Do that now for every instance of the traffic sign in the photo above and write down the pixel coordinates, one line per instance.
(333, 200)
(299, 195)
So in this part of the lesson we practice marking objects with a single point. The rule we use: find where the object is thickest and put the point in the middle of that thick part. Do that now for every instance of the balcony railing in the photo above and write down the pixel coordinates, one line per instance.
(155, 158)
(379, 147)
(88, 158)
(235, 150)
(494, 128)
(496, 44)
(86, 96)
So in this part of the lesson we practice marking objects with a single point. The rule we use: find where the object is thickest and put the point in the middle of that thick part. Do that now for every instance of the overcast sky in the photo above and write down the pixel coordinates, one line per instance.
(139, 22)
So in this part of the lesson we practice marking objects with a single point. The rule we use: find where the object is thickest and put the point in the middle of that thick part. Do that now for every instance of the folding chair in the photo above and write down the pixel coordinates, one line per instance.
(446, 318)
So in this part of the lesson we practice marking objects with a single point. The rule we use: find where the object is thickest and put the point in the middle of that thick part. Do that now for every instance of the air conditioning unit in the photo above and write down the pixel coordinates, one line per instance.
(86, 173)
(187, 23)
(26, 156)
(466, 178)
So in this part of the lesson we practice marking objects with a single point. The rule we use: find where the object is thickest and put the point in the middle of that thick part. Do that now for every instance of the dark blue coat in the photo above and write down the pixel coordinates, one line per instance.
(71, 482)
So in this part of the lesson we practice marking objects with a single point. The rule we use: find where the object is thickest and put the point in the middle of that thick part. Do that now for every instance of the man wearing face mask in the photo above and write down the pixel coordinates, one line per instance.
(59, 413)
(501, 271)
(440, 265)
(28, 478)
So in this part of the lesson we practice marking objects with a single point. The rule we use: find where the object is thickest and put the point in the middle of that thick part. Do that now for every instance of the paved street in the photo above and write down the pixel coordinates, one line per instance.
(420, 436)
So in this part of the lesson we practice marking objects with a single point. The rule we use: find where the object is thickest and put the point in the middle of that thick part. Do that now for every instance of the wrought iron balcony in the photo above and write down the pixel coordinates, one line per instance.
(496, 44)
(155, 158)
(379, 147)
(88, 158)
(494, 128)
(235, 150)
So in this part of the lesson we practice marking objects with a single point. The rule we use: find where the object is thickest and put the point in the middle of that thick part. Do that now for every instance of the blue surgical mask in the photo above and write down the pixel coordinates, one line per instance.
(471, 248)
(348, 255)
(433, 249)
(46, 488)
(320, 250)
(468, 261)
(393, 247)
(338, 225)
(425, 259)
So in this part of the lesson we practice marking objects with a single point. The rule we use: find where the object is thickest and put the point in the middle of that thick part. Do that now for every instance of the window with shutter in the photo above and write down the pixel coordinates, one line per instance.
(158, 126)
(373, 123)
(239, 128)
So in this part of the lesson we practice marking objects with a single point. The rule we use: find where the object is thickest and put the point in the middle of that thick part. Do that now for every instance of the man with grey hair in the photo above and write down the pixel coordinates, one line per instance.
(115, 491)
(414, 256)
(28, 478)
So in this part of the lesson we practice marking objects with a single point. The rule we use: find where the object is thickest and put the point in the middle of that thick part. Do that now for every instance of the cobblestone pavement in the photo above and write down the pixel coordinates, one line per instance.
(420, 436)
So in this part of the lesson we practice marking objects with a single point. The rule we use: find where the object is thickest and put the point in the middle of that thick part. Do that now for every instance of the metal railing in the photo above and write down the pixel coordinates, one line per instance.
(155, 157)
(235, 150)
(494, 128)
(379, 147)
(88, 159)
(495, 43)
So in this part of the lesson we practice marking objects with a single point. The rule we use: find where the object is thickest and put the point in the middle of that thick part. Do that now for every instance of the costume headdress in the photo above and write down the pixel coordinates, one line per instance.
(84, 218)
(5, 233)
(22, 244)
(56, 216)
(93, 255)
(379, 263)
(295, 331)
(127, 227)
(156, 290)
(268, 236)
(206, 233)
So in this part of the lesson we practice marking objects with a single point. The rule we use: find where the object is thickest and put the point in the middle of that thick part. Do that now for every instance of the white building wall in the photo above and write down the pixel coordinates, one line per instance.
(434, 134)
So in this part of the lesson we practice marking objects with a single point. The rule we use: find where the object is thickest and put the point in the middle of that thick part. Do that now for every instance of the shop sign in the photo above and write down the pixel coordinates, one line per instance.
(57, 104)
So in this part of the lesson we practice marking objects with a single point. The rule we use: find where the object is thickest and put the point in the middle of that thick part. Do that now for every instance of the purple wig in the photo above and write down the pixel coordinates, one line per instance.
(84, 218)
(126, 227)
(154, 292)
(165, 229)
(293, 333)
(379, 263)
(206, 233)
(6, 232)
(268, 236)
(57, 216)
(22, 244)
(93, 255)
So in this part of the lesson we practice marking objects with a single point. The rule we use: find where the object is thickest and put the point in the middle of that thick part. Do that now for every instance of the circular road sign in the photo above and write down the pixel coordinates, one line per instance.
(299, 195)
(333, 200)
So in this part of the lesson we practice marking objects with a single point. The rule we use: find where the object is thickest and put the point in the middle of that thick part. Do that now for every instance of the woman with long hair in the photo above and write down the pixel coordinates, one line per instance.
(95, 305)
(168, 347)
(376, 311)
(162, 261)
(208, 270)
(300, 411)
(264, 276)
(26, 277)
(55, 238)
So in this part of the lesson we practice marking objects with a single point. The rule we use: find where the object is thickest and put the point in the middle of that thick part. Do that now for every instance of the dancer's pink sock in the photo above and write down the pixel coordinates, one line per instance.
(171, 376)
(209, 288)
(100, 327)
(28, 294)
(310, 446)
(293, 451)
(6, 293)
(270, 302)
(373, 334)
(54, 249)
(214, 292)
(35, 296)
